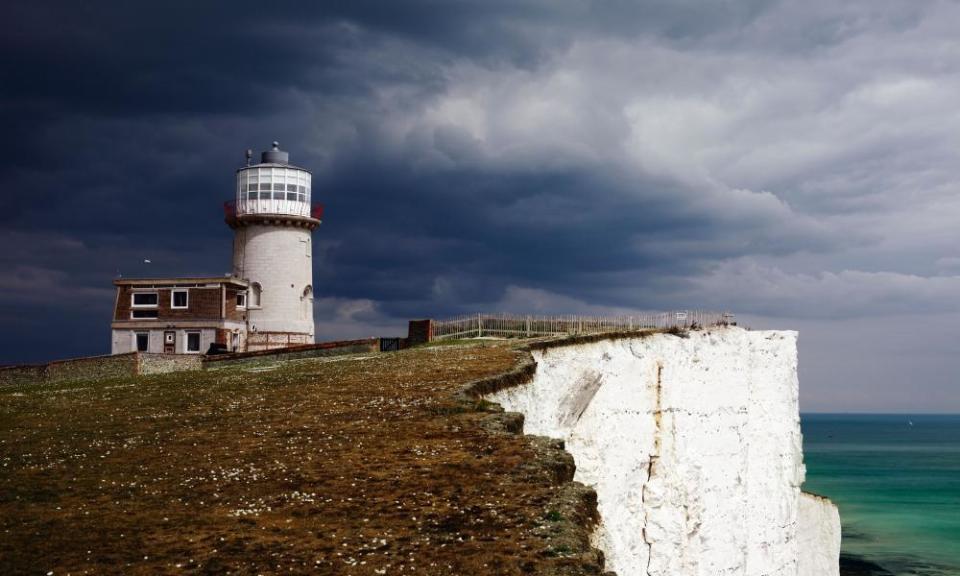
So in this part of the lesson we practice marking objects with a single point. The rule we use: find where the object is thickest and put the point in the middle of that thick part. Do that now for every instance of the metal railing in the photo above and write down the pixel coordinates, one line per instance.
(280, 207)
(529, 326)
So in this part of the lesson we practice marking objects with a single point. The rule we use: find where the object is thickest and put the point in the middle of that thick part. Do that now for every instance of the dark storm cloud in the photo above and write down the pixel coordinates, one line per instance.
(787, 160)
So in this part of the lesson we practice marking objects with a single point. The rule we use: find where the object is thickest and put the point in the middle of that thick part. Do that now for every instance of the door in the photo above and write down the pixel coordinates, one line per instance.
(169, 342)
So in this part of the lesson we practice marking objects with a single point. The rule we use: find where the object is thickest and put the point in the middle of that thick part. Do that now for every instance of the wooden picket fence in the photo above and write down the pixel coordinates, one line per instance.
(529, 326)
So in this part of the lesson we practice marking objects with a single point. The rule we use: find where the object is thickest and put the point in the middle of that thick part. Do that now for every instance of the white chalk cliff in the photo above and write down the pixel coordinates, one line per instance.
(693, 445)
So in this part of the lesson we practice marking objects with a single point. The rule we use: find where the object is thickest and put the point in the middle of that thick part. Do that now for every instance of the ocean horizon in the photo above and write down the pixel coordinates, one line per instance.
(896, 479)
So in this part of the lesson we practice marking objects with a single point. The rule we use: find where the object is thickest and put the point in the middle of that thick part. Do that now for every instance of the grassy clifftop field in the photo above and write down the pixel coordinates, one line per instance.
(350, 465)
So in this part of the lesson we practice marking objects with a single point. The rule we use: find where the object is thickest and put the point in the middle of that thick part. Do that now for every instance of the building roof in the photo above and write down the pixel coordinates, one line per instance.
(271, 165)
(181, 281)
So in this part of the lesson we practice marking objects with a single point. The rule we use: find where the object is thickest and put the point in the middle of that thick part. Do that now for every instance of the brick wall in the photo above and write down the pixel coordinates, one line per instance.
(260, 341)
(201, 303)
(419, 332)
(231, 306)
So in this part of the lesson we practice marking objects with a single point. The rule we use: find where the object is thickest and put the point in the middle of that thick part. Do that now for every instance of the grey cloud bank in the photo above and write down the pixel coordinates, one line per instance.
(794, 162)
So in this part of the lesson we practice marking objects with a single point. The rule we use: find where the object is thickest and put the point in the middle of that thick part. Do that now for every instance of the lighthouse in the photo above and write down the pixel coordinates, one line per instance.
(266, 302)
(273, 222)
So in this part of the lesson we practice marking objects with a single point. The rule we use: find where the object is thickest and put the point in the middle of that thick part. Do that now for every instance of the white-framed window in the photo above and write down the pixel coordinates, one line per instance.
(141, 341)
(180, 298)
(148, 314)
(241, 300)
(144, 299)
(192, 342)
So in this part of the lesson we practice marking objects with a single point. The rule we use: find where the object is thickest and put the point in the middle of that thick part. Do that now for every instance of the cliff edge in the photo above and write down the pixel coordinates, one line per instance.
(693, 445)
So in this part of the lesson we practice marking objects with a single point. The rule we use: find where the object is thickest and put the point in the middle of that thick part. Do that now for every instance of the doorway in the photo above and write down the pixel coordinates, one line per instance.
(170, 342)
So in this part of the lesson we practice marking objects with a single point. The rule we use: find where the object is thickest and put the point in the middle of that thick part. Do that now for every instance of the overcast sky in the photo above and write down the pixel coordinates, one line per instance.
(794, 162)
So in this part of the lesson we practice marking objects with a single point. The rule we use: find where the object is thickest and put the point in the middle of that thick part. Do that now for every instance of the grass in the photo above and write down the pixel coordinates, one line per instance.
(347, 465)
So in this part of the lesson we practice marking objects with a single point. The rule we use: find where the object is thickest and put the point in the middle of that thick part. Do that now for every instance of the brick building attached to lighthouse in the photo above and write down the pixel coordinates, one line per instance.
(267, 300)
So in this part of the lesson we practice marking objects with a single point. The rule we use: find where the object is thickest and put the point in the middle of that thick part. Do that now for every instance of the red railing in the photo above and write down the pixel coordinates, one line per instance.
(230, 210)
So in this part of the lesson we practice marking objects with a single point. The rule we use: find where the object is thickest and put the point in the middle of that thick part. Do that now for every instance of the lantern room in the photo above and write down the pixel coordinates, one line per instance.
(273, 186)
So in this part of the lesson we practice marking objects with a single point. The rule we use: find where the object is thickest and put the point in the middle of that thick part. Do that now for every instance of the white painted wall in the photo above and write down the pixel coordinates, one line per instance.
(120, 341)
(123, 340)
(280, 259)
(693, 445)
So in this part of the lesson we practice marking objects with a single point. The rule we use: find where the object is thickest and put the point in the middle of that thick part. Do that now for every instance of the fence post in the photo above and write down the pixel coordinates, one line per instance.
(479, 325)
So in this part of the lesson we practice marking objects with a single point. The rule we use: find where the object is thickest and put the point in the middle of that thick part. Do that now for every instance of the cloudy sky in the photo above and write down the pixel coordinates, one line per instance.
(794, 162)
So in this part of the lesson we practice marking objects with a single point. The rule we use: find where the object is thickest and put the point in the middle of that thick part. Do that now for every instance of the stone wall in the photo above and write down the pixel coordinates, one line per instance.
(21, 375)
(166, 363)
(370, 345)
(99, 368)
(75, 369)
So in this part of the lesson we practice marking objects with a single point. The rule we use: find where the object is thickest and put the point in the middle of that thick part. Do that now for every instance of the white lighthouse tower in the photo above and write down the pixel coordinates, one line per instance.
(273, 222)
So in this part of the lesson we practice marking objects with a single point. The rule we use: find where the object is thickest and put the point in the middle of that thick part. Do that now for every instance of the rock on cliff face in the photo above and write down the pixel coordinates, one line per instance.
(693, 445)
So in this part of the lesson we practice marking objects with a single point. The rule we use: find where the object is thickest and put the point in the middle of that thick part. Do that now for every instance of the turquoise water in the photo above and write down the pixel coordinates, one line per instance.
(897, 486)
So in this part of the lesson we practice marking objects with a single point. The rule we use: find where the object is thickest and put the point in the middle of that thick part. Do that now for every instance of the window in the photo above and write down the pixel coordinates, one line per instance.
(254, 295)
(241, 299)
(193, 342)
(145, 299)
(306, 303)
(143, 314)
(179, 299)
(142, 341)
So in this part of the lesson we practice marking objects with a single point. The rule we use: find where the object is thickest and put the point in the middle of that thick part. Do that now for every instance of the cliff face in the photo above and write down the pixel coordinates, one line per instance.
(693, 445)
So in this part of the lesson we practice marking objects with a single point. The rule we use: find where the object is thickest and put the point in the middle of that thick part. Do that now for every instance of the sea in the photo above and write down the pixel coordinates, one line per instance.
(896, 480)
